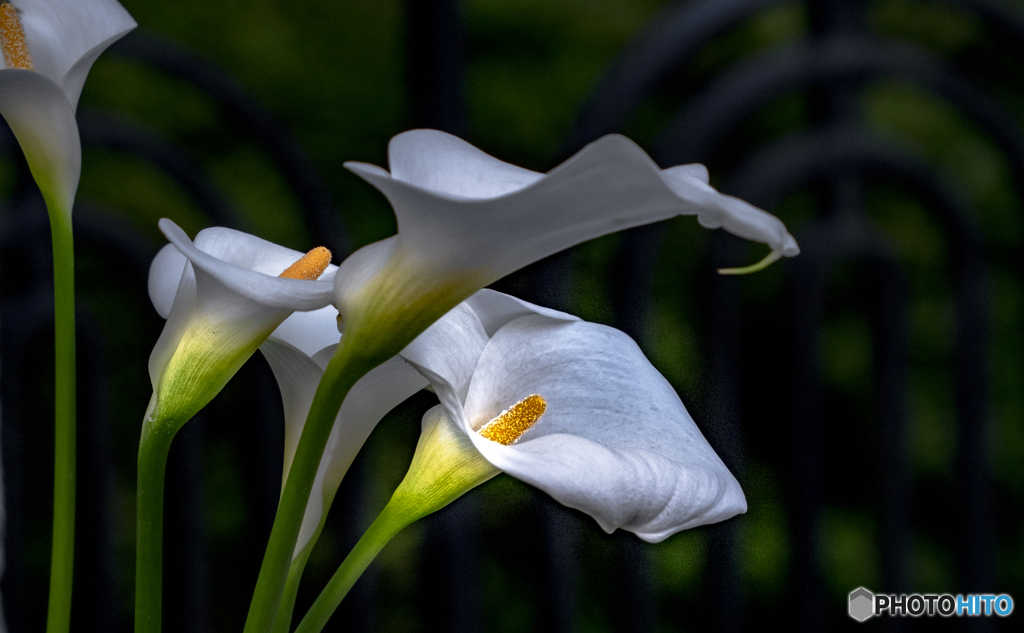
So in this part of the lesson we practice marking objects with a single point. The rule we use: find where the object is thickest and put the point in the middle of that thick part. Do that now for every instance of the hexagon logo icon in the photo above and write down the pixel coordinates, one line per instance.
(862, 604)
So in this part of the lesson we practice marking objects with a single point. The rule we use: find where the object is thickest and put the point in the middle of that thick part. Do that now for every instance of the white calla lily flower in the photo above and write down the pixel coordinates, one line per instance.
(223, 295)
(571, 407)
(466, 219)
(575, 409)
(48, 48)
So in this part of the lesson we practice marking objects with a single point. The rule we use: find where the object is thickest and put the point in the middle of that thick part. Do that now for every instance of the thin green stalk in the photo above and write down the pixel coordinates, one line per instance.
(445, 466)
(291, 591)
(390, 522)
(58, 618)
(345, 368)
(153, 449)
(298, 566)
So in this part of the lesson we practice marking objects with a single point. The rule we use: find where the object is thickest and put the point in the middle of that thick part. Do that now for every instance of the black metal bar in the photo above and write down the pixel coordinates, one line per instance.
(319, 210)
(710, 115)
(786, 167)
(99, 130)
(674, 36)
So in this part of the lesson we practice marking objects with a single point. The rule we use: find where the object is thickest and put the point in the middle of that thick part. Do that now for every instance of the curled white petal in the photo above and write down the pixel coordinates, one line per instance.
(466, 219)
(248, 266)
(66, 37)
(615, 442)
(449, 165)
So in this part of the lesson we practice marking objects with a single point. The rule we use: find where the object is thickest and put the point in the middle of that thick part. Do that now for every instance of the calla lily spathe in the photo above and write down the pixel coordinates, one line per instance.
(222, 298)
(466, 219)
(615, 441)
(64, 39)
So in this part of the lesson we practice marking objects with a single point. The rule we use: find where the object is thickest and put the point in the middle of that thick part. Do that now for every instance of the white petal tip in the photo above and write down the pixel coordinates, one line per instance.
(365, 169)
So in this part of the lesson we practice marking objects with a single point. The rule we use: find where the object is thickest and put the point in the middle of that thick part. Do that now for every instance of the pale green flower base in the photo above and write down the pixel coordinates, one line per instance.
(58, 618)
(445, 467)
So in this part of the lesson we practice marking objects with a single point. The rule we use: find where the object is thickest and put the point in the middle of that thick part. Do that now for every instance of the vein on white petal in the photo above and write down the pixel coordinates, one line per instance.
(448, 165)
(615, 441)
(44, 123)
(450, 348)
(66, 36)
(495, 309)
(183, 310)
(164, 277)
(271, 291)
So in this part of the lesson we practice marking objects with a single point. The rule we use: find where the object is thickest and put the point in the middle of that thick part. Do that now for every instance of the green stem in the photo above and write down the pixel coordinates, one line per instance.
(291, 590)
(153, 449)
(390, 522)
(63, 553)
(345, 368)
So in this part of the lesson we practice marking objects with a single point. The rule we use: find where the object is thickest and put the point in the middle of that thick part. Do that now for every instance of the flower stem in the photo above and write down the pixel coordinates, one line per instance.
(390, 522)
(153, 449)
(291, 590)
(63, 553)
(345, 368)
(445, 466)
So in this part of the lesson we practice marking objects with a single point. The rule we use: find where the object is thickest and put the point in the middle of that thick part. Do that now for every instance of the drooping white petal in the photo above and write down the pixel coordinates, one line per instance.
(466, 219)
(615, 442)
(44, 123)
(66, 37)
(732, 214)
(248, 266)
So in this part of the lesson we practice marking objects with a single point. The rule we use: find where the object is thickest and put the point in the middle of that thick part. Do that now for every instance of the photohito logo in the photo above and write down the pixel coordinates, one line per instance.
(864, 604)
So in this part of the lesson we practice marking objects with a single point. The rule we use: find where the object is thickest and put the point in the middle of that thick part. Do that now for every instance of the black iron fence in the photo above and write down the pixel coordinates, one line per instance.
(866, 393)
